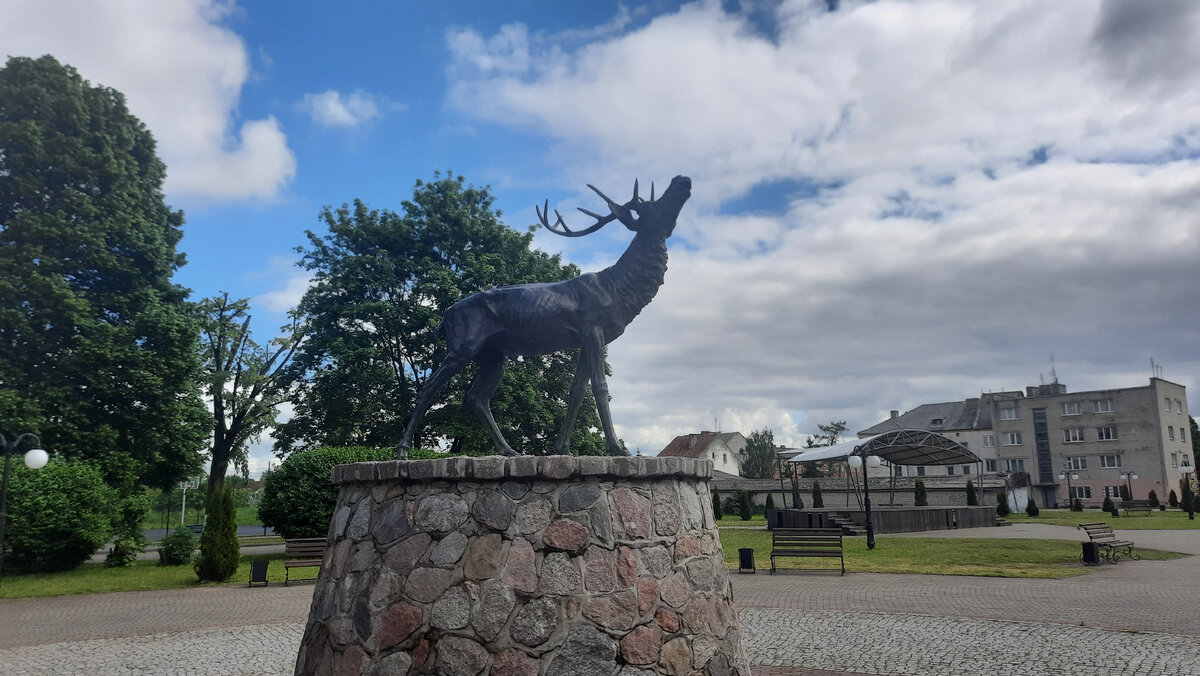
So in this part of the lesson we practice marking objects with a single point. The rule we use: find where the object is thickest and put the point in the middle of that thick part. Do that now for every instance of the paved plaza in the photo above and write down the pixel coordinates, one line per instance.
(1138, 617)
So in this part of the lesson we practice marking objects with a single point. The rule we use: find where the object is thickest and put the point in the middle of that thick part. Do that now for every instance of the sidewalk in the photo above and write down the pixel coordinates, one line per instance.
(1138, 617)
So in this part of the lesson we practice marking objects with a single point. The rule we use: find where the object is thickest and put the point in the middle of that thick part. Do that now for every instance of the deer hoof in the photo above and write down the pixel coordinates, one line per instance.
(401, 452)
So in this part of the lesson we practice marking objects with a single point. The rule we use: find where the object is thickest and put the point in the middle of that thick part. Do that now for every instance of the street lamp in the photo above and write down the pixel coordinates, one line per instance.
(1066, 474)
(855, 462)
(34, 459)
(1128, 487)
(1186, 470)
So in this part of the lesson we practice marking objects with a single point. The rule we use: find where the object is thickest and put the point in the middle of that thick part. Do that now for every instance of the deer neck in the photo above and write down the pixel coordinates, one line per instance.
(635, 277)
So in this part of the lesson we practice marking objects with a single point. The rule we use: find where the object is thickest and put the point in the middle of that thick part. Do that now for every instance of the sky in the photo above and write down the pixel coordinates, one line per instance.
(894, 203)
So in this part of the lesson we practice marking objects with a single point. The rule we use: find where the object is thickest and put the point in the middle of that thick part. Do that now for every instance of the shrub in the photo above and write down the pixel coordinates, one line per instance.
(972, 499)
(1002, 504)
(1153, 498)
(177, 547)
(818, 501)
(1172, 499)
(1077, 506)
(298, 497)
(744, 505)
(130, 538)
(218, 559)
(58, 516)
(717, 511)
(1108, 504)
(770, 501)
(1031, 508)
(920, 499)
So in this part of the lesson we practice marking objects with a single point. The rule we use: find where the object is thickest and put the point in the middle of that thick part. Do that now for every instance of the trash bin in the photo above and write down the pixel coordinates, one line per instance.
(746, 560)
(1091, 554)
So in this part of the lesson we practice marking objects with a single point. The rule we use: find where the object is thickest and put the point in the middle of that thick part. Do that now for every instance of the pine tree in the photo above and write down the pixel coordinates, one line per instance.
(744, 505)
(1172, 499)
(920, 499)
(717, 514)
(770, 501)
(1002, 504)
(219, 552)
(1108, 504)
(1153, 497)
(1077, 506)
(817, 501)
(972, 499)
(1031, 508)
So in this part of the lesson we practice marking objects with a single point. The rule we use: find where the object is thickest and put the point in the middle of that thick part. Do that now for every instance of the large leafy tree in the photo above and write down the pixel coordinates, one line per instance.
(246, 381)
(98, 350)
(760, 455)
(381, 281)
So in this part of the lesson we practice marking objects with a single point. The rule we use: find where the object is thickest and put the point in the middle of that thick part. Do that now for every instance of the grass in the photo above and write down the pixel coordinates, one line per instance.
(94, 578)
(934, 556)
(758, 520)
(1172, 519)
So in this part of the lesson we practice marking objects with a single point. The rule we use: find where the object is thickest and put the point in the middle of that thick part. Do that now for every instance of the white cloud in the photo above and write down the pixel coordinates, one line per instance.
(999, 181)
(286, 297)
(181, 70)
(331, 109)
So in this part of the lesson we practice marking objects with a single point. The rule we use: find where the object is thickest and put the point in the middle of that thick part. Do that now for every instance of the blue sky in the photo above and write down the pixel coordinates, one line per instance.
(894, 202)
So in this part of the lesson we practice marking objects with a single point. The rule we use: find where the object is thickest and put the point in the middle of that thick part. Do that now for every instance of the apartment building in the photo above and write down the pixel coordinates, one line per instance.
(1099, 440)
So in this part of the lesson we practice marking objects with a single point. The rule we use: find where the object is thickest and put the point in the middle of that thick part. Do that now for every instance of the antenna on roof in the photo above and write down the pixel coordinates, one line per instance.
(1053, 372)
(1155, 369)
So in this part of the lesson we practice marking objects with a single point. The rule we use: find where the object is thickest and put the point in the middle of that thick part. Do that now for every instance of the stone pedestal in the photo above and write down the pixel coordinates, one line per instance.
(523, 566)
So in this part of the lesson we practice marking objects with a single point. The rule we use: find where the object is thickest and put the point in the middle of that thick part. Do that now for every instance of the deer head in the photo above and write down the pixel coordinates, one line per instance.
(653, 216)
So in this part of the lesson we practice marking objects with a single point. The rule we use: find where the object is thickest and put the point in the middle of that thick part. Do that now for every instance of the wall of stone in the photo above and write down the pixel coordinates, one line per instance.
(523, 566)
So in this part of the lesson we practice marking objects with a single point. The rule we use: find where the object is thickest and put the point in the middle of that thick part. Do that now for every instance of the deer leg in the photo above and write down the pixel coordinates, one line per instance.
(425, 397)
(578, 389)
(594, 348)
(491, 368)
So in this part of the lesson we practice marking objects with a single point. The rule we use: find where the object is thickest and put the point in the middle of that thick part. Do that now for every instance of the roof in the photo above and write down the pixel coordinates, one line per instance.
(694, 445)
(953, 415)
(898, 447)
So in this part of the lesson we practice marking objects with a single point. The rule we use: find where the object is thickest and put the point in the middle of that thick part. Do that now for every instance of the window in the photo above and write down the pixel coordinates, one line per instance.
(1178, 406)
(1081, 492)
(1102, 406)
(1078, 462)
(1174, 459)
(989, 440)
(1170, 433)
(1012, 438)
(991, 465)
(1114, 492)
(1106, 433)
(950, 470)
(1015, 465)
(936, 421)
(966, 469)
(1110, 461)
(1069, 409)
(725, 457)
(1181, 437)
(1167, 401)
(1072, 435)
(920, 470)
(1008, 413)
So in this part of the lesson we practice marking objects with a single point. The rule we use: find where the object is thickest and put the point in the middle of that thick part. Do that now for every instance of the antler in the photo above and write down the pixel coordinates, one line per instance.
(619, 212)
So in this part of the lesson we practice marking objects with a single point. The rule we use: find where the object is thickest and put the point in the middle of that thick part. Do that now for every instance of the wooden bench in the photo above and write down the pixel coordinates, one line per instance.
(302, 553)
(1111, 548)
(1136, 506)
(805, 542)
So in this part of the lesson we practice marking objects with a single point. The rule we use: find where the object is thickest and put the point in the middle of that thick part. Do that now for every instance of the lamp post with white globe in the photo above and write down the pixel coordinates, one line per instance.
(34, 459)
(872, 461)
(1186, 471)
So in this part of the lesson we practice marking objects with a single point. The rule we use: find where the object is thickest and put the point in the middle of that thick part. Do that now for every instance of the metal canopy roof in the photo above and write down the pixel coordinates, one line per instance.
(898, 447)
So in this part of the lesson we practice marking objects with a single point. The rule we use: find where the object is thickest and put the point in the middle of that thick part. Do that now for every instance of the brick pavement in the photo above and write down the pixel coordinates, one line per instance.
(795, 624)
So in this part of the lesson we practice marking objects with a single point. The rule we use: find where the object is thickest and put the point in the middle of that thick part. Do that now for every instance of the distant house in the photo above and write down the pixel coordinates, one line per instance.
(726, 450)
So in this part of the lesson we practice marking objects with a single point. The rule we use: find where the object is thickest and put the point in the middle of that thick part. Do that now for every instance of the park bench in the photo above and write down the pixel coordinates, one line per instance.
(1136, 506)
(806, 542)
(1111, 548)
(302, 553)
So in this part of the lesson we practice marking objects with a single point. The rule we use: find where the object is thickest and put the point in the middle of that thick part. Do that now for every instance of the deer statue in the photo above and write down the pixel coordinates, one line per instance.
(586, 312)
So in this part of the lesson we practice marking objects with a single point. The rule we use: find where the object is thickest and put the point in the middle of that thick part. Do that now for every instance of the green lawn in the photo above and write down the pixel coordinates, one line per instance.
(759, 520)
(986, 557)
(1172, 519)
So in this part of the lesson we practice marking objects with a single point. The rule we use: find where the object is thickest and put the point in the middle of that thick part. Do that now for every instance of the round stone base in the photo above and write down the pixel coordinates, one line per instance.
(523, 566)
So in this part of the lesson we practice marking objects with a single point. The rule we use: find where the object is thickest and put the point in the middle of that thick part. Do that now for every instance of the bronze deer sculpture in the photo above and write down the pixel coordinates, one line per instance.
(586, 312)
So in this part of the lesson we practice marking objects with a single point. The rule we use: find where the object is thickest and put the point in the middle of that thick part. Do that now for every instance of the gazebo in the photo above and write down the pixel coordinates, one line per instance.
(897, 447)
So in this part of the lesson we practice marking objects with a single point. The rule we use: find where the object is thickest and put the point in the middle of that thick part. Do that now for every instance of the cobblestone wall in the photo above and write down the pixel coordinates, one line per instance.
(523, 566)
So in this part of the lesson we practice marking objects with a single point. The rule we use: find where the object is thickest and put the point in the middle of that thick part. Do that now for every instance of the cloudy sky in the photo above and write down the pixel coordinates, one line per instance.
(894, 203)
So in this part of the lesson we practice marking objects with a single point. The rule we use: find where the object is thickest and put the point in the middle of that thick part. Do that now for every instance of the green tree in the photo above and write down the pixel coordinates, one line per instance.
(1077, 505)
(59, 516)
(1195, 441)
(130, 538)
(382, 281)
(972, 499)
(1031, 508)
(246, 381)
(218, 559)
(744, 504)
(1153, 498)
(817, 501)
(1172, 499)
(1108, 504)
(770, 504)
(298, 497)
(1002, 504)
(760, 455)
(97, 345)
(920, 498)
(718, 513)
